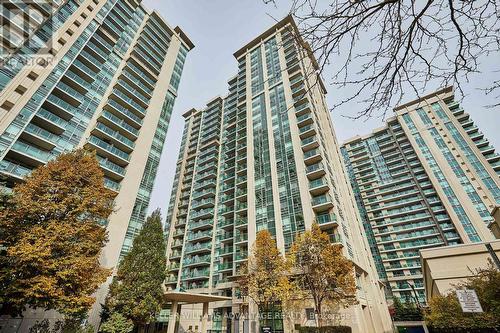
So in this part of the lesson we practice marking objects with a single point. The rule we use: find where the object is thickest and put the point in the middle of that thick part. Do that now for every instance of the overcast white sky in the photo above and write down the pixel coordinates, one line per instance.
(220, 27)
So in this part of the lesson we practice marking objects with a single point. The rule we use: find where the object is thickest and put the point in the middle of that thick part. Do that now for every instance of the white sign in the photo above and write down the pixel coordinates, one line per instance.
(469, 301)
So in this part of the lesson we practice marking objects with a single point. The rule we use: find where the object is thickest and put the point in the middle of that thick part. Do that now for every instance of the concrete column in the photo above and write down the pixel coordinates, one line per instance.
(204, 318)
(173, 317)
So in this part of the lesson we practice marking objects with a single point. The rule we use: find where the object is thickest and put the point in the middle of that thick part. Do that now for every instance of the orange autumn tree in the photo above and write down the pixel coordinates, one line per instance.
(51, 236)
(323, 273)
(265, 280)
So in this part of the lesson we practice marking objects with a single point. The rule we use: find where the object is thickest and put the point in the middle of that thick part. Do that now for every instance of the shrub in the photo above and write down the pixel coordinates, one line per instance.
(326, 329)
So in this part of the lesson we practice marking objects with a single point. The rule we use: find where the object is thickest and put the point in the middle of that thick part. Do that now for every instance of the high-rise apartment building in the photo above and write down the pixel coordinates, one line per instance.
(428, 178)
(19, 19)
(264, 157)
(101, 74)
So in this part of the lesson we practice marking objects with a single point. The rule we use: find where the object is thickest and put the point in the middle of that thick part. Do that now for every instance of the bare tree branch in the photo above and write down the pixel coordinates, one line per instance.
(380, 49)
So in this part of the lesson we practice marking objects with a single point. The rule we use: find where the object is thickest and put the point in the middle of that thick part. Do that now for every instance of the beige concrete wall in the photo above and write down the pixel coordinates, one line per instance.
(447, 266)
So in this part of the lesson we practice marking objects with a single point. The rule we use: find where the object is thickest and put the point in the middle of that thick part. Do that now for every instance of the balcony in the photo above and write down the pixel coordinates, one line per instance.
(127, 102)
(177, 243)
(297, 80)
(486, 150)
(171, 280)
(204, 160)
(326, 220)
(179, 233)
(309, 143)
(315, 171)
(76, 82)
(293, 67)
(318, 186)
(39, 137)
(241, 206)
(225, 251)
(322, 203)
(307, 131)
(241, 222)
(225, 236)
(30, 155)
(204, 203)
(302, 108)
(60, 107)
(200, 236)
(210, 192)
(196, 275)
(299, 91)
(50, 121)
(196, 261)
(335, 238)
(227, 266)
(117, 123)
(109, 151)
(241, 180)
(181, 213)
(492, 157)
(240, 256)
(304, 120)
(150, 64)
(175, 254)
(112, 185)
(141, 73)
(195, 285)
(112, 30)
(105, 45)
(118, 139)
(68, 94)
(136, 95)
(112, 170)
(312, 157)
(198, 248)
(13, 169)
(241, 238)
(81, 69)
(202, 214)
(173, 267)
(206, 167)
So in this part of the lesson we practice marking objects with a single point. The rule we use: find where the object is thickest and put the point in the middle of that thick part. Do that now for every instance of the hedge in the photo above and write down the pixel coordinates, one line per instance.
(326, 329)
(462, 330)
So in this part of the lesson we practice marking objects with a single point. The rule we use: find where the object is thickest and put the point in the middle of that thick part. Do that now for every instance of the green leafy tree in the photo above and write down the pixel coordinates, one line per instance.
(136, 291)
(323, 272)
(445, 311)
(406, 311)
(51, 237)
(117, 323)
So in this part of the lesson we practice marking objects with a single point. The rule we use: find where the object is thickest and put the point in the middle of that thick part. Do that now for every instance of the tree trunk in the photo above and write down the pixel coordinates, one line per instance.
(319, 319)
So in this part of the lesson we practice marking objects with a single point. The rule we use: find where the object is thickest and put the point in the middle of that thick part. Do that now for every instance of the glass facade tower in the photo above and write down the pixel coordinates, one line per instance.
(263, 157)
(428, 178)
(100, 74)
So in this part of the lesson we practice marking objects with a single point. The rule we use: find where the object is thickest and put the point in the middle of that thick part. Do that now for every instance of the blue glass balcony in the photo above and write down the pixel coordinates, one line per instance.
(34, 155)
(55, 123)
(109, 150)
(129, 101)
(40, 136)
(14, 169)
(126, 112)
(112, 185)
(115, 171)
(119, 123)
(119, 139)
